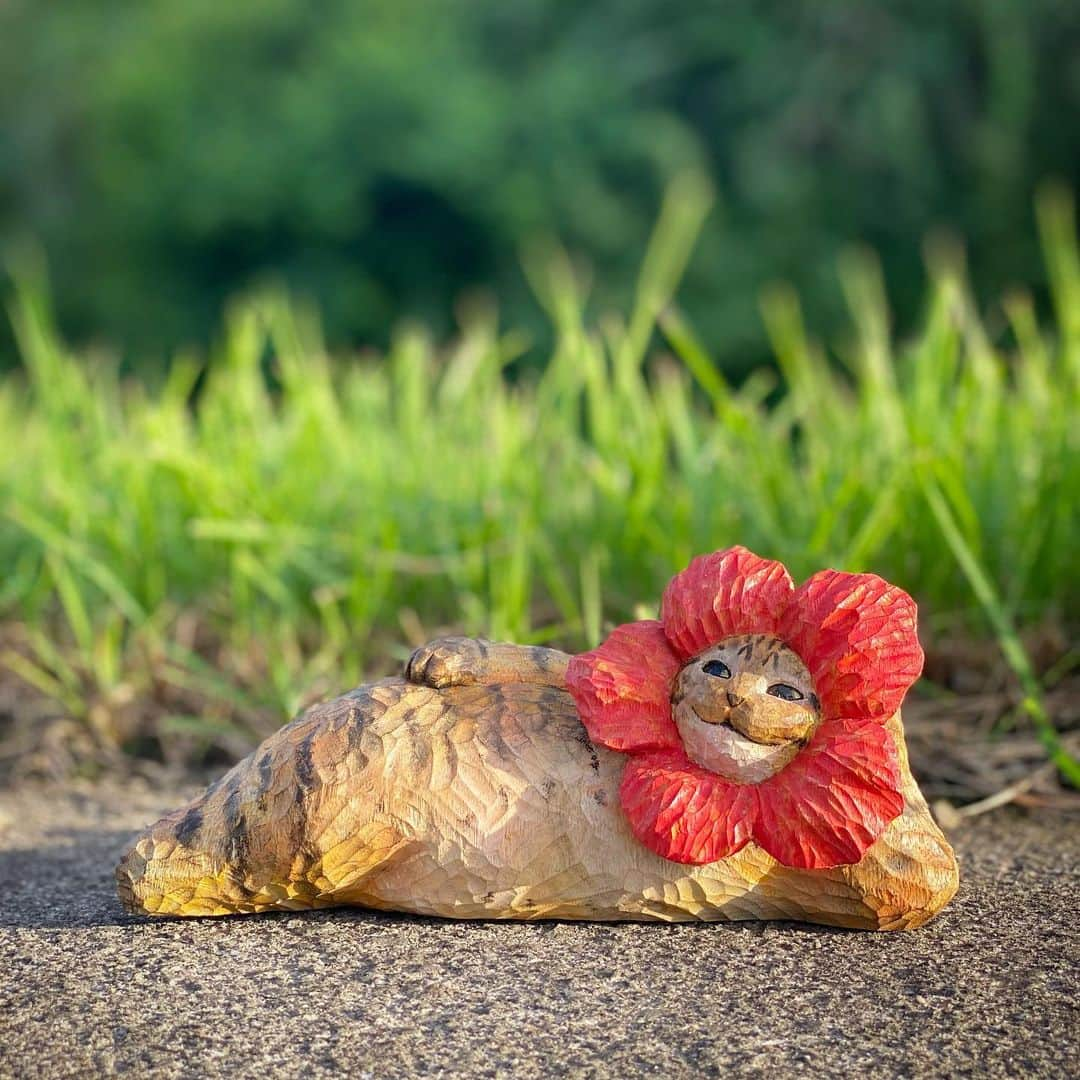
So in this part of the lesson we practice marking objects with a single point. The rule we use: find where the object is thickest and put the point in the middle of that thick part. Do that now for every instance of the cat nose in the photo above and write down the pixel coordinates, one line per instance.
(733, 699)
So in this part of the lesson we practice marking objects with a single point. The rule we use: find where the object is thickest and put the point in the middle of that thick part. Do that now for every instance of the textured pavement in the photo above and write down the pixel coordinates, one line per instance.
(991, 988)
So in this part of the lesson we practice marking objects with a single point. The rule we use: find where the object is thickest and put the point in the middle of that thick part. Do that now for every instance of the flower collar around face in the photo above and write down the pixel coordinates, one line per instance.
(856, 635)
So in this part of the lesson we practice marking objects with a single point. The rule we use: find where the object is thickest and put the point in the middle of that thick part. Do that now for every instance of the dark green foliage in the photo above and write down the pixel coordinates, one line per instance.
(385, 156)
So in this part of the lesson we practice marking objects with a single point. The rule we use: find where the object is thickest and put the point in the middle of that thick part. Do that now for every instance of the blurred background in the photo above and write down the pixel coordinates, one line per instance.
(385, 157)
(337, 325)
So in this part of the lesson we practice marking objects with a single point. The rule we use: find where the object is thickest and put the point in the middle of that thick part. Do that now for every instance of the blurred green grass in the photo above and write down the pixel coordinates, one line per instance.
(191, 561)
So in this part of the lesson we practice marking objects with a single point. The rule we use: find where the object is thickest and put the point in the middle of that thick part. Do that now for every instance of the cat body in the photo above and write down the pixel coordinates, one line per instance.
(470, 789)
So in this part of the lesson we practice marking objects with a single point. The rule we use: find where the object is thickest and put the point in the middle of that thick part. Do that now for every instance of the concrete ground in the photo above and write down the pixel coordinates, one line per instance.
(989, 989)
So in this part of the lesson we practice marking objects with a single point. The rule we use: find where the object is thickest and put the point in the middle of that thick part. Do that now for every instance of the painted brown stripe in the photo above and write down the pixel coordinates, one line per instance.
(189, 825)
(305, 767)
(238, 842)
(266, 773)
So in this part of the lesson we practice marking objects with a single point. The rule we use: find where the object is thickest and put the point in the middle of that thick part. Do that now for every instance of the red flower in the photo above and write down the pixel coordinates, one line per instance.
(856, 635)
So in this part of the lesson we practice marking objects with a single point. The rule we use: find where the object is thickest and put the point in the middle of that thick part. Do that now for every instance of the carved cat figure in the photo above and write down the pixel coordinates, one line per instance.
(471, 788)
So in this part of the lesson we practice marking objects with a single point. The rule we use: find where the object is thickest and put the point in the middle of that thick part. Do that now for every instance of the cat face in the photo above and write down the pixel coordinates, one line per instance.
(745, 707)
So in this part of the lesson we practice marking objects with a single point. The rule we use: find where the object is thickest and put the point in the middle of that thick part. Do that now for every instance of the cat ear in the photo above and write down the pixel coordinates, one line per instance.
(723, 594)
(857, 635)
(622, 688)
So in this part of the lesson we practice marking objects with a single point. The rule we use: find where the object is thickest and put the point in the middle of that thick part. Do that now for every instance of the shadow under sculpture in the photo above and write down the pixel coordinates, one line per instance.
(742, 757)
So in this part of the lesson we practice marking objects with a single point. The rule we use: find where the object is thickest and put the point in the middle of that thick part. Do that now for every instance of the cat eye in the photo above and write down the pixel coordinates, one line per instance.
(717, 668)
(785, 692)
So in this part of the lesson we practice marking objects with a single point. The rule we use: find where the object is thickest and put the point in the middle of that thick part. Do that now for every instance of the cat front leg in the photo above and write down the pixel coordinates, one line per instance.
(463, 661)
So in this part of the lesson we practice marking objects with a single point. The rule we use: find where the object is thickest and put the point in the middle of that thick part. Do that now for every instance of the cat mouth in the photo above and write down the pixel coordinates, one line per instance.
(720, 747)
(742, 736)
(726, 725)
(730, 727)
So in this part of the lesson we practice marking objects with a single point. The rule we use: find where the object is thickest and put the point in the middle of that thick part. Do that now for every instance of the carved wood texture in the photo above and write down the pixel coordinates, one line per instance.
(487, 800)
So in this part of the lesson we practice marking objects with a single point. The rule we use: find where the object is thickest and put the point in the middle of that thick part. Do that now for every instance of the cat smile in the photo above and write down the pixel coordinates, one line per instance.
(740, 735)
(721, 748)
(727, 724)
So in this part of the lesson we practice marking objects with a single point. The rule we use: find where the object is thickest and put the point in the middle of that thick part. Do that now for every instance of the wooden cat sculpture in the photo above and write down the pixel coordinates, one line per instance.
(740, 758)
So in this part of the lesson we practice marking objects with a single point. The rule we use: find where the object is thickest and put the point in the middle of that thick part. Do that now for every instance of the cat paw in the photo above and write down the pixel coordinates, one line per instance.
(449, 661)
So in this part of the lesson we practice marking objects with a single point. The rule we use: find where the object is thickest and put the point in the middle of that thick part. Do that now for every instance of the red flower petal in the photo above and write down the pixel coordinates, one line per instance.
(622, 689)
(683, 812)
(834, 800)
(856, 633)
(719, 595)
